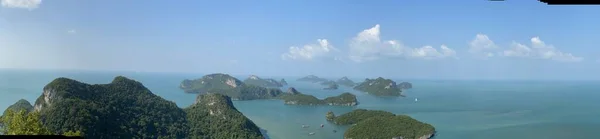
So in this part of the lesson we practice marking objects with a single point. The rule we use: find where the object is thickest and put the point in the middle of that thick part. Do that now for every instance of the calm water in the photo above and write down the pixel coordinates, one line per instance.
(458, 109)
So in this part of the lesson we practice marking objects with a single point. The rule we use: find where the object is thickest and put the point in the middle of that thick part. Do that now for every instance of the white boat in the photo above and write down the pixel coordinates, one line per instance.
(311, 133)
(416, 99)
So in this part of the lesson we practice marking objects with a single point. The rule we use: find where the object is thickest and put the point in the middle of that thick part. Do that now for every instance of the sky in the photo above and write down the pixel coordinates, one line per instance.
(412, 39)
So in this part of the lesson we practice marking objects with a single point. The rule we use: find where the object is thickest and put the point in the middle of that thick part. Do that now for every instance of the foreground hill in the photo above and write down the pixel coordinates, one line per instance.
(214, 116)
(22, 104)
(125, 108)
(379, 87)
(293, 97)
(381, 125)
(257, 81)
(230, 86)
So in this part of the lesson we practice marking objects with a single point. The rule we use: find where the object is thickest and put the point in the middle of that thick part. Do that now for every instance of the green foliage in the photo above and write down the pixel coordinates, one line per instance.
(22, 104)
(217, 83)
(22, 123)
(214, 117)
(358, 115)
(121, 109)
(73, 134)
(342, 99)
(345, 99)
(256, 81)
(385, 127)
(312, 78)
(379, 87)
(346, 82)
(330, 116)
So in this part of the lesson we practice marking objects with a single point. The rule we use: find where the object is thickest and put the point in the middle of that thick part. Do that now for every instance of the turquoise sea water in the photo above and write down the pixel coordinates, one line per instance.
(458, 109)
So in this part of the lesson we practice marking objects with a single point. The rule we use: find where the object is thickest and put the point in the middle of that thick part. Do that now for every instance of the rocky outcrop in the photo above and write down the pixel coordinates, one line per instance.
(405, 85)
(283, 82)
(257, 81)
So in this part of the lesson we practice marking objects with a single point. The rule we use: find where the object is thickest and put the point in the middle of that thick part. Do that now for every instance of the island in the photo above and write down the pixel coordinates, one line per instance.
(125, 108)
(381, 124)
(229, 86)
(379, 87)
(22, 104)
(346, 82)
(257, 81)
(331, 85)
(293, 97)
(405, 85)
(313, 79)
(283, 82)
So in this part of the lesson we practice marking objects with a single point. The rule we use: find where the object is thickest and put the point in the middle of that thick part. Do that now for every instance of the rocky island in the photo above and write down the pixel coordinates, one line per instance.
(405, 85)
(257, 81)
(381, 125)
(331, 85)
(313, 79)
(346, 82)
(379, 87)
(229, 86)
(293, 97)
(125, 108)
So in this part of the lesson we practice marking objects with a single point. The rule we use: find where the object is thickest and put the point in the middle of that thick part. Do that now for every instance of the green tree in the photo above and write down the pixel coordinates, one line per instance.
(22, 123)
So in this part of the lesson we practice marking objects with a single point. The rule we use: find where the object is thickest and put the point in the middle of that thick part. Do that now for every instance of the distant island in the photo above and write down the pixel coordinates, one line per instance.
(346, 82)
(405, 85)
(379, 87)
(230, 86)
(331, 85)
(381, 124)
(257, 81)
(313, 79)
(293, 97)
(125, 108)
(283, 82)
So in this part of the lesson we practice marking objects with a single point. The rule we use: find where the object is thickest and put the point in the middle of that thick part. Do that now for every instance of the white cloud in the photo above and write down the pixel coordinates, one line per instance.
(367, 46)
(72, 31)
(26, 4)
(540, 50)
(482, 46)
(309, 51)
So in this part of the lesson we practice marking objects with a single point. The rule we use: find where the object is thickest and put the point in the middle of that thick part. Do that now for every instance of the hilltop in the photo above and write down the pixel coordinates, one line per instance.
(257, 81)
(346, 82)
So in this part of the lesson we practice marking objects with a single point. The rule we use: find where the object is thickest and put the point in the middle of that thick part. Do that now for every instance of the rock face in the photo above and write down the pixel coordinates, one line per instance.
(346, 82)
(293, 97)
(379, 87)
(125, 108)
(313, 79)
(230, 86)
(405, 85)
(22, 104)
(257, 81)
(382, 124)
(216, 109)
(330, 116)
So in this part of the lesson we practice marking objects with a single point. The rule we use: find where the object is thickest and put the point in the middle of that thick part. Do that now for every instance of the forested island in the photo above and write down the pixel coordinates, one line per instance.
(230, 86)
(313, 79)
(125, 108)
(346, 82)
(257, 81)
(381, 125)
(405, 85)
(331, 85)
(293, 97)
(379, 87)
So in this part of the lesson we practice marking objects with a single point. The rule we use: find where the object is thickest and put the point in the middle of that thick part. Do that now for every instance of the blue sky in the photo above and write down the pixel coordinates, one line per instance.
(435, 39)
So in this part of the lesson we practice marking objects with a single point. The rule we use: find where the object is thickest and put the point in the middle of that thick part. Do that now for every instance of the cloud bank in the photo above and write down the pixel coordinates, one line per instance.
(25, 4)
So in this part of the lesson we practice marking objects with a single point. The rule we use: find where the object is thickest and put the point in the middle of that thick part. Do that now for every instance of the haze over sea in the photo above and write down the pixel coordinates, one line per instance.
(458, 109)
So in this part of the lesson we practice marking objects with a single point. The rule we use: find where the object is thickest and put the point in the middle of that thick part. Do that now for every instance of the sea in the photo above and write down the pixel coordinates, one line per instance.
(458, 109)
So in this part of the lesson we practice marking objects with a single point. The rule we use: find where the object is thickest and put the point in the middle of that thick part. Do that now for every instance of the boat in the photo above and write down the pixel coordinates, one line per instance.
(311, 133)
(305, 126)
(322, 125)
(416, 99)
